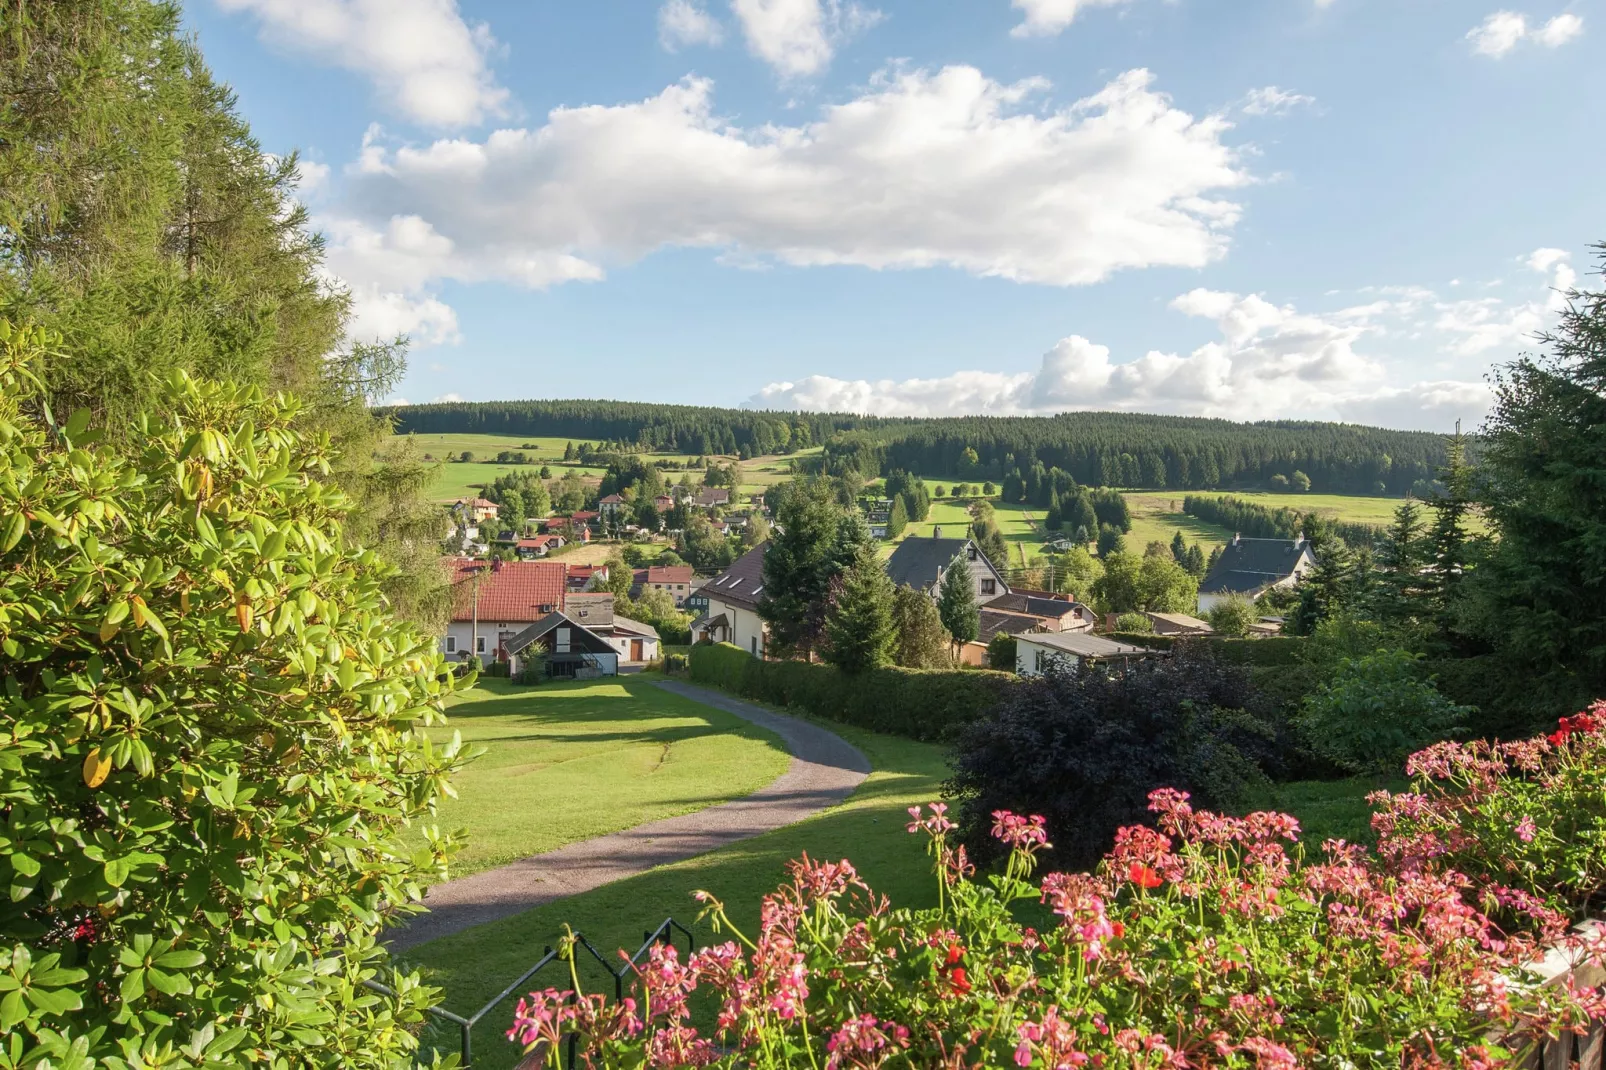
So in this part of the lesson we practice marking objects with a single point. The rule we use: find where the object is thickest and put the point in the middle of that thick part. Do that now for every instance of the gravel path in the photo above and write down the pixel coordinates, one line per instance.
(825, 769)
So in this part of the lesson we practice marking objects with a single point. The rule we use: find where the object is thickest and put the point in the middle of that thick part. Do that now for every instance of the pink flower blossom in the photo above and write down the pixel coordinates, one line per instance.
(1020, 833)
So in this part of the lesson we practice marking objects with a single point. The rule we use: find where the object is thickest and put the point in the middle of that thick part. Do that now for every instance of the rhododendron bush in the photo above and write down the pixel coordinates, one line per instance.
(1203, 941)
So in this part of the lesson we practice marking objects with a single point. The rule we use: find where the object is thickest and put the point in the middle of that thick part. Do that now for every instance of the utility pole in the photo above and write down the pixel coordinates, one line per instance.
(474, 639)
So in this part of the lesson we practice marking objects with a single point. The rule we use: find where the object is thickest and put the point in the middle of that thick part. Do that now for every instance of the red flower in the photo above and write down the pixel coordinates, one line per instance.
(1581, 722)
(955, 953)
(1143, 876)
(960, 980)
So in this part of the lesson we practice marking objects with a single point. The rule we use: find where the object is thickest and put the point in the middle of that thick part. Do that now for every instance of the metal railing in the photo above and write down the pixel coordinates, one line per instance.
(465, 1026)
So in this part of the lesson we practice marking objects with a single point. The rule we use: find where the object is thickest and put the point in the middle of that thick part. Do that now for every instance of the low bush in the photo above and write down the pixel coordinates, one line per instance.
(1374, 710)
(1003, 652)
(1148, 640)
(1085, 748)
(1203, 942)
(924, 704)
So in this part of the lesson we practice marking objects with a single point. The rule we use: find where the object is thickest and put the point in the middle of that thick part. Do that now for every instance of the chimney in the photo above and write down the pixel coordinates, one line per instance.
(496, 564)
(936, 531)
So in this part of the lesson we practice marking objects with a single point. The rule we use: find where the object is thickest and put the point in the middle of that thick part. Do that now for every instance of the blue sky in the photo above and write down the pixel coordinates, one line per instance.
(1341, 209)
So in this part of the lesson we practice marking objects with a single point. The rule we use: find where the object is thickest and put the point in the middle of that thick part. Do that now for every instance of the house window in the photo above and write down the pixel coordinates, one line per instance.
(754, 642)
(989, 586)
(479, 644)
(972, 553)
(451, 644)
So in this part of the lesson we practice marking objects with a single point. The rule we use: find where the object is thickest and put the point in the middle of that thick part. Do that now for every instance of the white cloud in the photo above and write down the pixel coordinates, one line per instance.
(444, 398)
(311, 177)
(682, 23)
(799, 37)
(1360, 363)
(1045, 18)
(1503, 31)
(420, 54)
(1478, 325)
(1559, 30)
(1271, 100)
(924, 169)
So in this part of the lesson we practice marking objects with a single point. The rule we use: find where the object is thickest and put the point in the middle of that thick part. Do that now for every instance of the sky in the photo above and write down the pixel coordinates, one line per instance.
(1255, 209)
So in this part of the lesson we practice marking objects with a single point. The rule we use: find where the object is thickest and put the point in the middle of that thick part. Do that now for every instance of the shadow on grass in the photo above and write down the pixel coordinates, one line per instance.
(472, 966)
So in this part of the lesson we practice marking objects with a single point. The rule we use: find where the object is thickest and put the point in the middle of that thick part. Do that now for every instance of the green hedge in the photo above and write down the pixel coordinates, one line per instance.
(917, 703)
(1270, 651)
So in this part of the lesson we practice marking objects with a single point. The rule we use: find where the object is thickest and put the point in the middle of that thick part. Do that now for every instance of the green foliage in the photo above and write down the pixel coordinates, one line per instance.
(956, 602)
(1154, 584)
(914, 703)
(705, 547)
(1536, 596)
(816, 540)
(1255, 521)
(1133, 623)
(898, 519)
(921, 640)
(1003, 652)
(1376, 709)
(1232, 616)
(859, 633)
(216, 741)
(1111, 542)
(142, 221)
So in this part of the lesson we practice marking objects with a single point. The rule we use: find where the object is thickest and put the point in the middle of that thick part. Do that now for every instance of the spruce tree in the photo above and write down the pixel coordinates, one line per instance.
(1397, 595)
(1449, 538)
(956, 603)
(922, 641)
(1541, 585)
(898, 520)
(812, 544)
(859, 630)
(1179, 548)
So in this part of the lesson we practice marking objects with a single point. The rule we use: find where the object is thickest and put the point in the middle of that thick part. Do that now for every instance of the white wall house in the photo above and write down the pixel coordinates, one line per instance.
(1249, 568)
(733, 597)
(1036, 651)
(494, 601)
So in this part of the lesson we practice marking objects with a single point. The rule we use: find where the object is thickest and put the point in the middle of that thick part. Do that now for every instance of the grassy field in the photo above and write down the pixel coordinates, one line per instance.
(570, 761)
(472, 966)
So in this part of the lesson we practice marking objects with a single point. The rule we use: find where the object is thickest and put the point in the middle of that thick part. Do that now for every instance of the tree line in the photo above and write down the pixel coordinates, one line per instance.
(1255, 521)
(1115, 449)
(644, 425)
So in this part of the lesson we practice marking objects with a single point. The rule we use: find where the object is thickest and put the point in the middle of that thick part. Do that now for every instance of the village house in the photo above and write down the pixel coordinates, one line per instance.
(632, 640)
(1035, 652)
(538, 545)
(477, 510)
(711, 497)
(610, 507)
(566, 649)
(1056, 612)
(921, 563)
(676, 579)
(494, 600)
(733, 597)
(1249, 568)
(587, 577)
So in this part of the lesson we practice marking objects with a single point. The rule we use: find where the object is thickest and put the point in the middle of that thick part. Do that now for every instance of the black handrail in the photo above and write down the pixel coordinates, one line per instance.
(465, 1026)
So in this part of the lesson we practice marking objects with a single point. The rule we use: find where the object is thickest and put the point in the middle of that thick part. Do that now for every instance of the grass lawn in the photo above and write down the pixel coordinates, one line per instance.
(1158, 516)
(465, 480)
(570, 761)
(1328, 809)
(473, 966)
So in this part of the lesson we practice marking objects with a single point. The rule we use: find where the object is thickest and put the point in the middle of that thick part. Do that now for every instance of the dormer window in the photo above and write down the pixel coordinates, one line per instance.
(972, 553)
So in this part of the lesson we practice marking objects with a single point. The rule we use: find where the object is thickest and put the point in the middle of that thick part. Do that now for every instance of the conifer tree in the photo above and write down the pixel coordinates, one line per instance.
(1179, 548)
(859, 623)
(922, 641)
(1397, 595)
(898, 520)
(956, 603)
(1448, 537)
(811, 545)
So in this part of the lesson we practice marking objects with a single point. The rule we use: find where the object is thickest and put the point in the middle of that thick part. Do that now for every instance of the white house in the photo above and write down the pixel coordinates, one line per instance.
(1247, 568)
(492, 601)
(733, 596)
(566, 647)
(1036, 651)
(631, 639)
(921, 563)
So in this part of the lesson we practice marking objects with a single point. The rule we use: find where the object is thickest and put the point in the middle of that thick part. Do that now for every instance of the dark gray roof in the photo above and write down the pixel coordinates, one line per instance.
(1035, 605)
(742, 583)
(1249, 564)
(992, 623)
(917, 562)
(581, 637)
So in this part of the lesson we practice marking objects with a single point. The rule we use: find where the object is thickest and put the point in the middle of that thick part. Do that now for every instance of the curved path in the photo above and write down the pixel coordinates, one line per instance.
(824, 771)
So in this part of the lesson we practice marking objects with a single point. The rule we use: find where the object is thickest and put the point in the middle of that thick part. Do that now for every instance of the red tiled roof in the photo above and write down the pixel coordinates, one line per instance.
(541, 540)
(517, 591)
(476, 503)
(669, 574)
(610, 499)
(584, 514)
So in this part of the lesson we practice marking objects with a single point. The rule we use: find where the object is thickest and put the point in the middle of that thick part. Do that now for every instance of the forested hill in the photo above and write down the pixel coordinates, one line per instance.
(1095, 448)
(673, 428)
